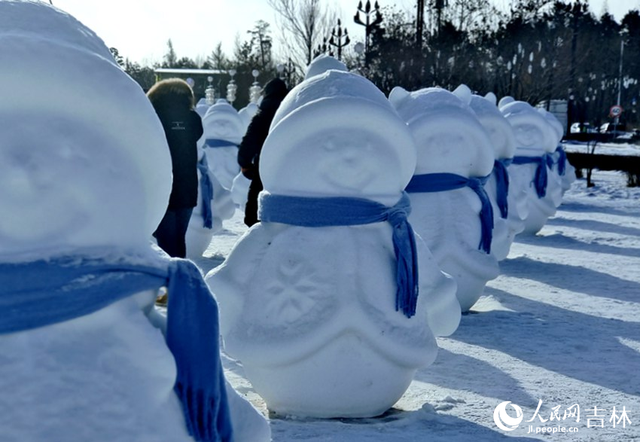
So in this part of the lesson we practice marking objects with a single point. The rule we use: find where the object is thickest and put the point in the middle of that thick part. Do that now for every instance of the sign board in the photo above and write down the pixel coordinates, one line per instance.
(615, 111)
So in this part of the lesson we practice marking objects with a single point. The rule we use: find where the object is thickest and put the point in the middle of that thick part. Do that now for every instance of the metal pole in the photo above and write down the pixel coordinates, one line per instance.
(617, 119)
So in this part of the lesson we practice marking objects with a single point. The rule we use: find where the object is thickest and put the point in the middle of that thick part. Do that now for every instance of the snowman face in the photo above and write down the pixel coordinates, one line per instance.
(530, 130)
(350, 161)
(345, 162)
(501, 135)
(462, 148)
(63, 187)
(222, 127)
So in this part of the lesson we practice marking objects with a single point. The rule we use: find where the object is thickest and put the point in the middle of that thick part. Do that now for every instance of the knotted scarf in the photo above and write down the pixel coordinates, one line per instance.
(502, 185)
(540, 179)
(442, 182)
(206, 192)
(40, 293)
(217, 142)
(562, 160)
(345, 211)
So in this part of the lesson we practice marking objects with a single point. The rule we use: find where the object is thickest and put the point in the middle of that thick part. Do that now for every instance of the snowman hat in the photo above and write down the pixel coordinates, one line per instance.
(534, 135)
(84, 87)
(323, 63)
(555, 124)
(436, 110)
(331, 102)
(221, 110)
(498, 128)
(247, 113)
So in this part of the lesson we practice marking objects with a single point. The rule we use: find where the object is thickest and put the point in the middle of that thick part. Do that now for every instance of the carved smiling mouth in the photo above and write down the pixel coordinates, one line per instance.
(347, 173)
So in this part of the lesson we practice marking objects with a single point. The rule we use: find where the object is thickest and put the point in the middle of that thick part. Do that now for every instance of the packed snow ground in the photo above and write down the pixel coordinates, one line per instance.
(561, 325)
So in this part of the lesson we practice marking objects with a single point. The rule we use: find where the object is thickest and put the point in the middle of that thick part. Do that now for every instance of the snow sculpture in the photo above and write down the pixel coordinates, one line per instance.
(240, 185)
(240, 191)
(508, 219)
(223, 131)
(531, 167)
(322, 327)
(451, 210)
(323, 63)
(202, 107)
(84, 169)
(246, 114)
(214, 206)
(562, 167)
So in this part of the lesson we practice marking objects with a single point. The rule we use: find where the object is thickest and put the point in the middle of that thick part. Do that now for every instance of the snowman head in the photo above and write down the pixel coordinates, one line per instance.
(534, 135)
(555, 124)
(321, 64)
(246, 114)
(335, 134)
(223, 122)
(83, 158)
(448, 135)
(498, 128)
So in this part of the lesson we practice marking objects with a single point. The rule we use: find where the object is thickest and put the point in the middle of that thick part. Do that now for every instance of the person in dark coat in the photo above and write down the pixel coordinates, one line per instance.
(173, 101)
(251, 145)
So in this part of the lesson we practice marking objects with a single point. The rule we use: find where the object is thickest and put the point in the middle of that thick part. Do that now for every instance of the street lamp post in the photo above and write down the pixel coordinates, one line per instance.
(255, 90)
(231, 87)
(339, 39)
(616, 120)
(368, 24)
(209, 92)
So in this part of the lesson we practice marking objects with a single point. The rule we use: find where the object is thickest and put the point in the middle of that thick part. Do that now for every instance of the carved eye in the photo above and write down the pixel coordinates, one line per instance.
(330, 145)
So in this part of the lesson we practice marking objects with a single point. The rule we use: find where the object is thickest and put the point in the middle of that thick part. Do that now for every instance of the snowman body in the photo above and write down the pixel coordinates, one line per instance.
(561, 166)
(199, 235)
(223, 132)
(66, 157)
(449, 221)
(316, 327)
(503, 141)
(535, 141)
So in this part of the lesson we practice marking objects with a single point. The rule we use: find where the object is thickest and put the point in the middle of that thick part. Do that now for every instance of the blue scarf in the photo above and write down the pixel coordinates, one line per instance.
(344, 211)
(540, 178)
(206, 191)
(562, 160)
(442, 182)
(502, 185)
(216, 142)
(45, 292)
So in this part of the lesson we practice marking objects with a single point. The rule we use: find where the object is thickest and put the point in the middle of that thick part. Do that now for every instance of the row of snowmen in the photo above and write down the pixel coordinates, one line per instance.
(320, 325)
(380, 226)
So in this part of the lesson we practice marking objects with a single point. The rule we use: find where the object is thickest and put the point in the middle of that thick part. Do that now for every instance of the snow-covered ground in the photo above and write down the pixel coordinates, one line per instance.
(603, 148)
(560, 327)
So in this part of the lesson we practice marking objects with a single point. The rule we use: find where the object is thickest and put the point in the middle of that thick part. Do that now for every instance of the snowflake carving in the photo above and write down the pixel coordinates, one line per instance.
(293, 292)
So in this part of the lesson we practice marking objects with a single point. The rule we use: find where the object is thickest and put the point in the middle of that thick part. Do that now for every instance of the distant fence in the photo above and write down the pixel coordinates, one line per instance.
(587, 161)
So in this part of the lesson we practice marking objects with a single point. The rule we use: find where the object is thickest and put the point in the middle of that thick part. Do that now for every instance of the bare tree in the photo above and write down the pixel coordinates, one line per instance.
(303, 23)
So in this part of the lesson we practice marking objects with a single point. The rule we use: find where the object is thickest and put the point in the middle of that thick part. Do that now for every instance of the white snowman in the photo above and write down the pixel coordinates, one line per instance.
(214, 206)
(562, 167)
(317, 325)
(246, 114)
(508, 220)
(531, 169)
(240, 185)
(323, 63)
(201, 107)
(223, 131)
(455, 221)
(85, 172)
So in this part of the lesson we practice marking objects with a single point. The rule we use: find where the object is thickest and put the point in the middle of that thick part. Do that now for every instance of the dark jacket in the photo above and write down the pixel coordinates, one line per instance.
(251, 145)
(183, 129)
